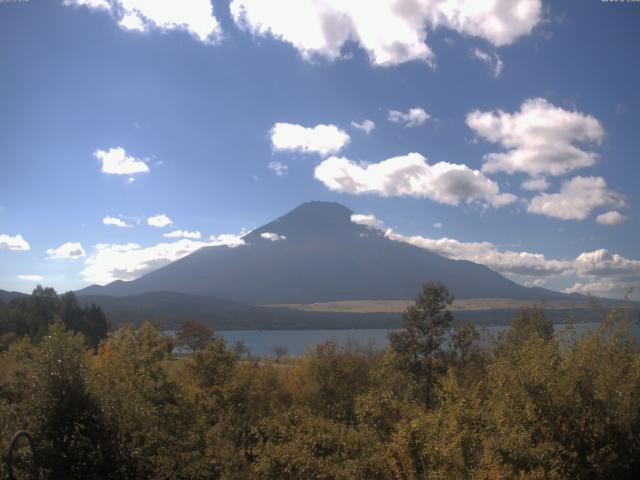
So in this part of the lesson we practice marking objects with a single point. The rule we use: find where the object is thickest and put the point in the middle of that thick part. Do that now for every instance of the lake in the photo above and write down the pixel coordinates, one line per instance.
(261, 342)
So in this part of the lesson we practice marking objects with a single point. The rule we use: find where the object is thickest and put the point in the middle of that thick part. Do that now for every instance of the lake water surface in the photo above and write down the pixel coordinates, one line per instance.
(261, 342)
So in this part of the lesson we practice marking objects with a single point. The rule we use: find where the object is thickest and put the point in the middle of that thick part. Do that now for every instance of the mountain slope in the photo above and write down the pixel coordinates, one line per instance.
(6, 296)
(323, 256)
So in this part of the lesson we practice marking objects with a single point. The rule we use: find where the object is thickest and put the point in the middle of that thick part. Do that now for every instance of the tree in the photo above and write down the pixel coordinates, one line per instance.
(240, 349)
(279, 351)
(418, 344)
(72, 440)
(194, 335)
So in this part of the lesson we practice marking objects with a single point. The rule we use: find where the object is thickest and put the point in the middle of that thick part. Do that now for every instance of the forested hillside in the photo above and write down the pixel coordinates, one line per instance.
(526, 405)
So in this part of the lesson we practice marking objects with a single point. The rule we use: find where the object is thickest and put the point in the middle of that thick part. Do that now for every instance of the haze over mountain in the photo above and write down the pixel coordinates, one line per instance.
(315, 253)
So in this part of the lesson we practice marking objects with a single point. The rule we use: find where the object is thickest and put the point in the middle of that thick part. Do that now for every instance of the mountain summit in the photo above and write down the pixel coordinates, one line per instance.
(315, 253)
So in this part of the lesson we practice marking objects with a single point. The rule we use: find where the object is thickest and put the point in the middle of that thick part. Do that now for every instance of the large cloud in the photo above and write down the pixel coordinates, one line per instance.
(193, 16)
(411, 175)
(7, 242)
(129, 261)
(576, 200)
(390, 31)
(67, 251)
(117, 162)
(599, 272)
(539, 139)
(322, 139)
(486, 253)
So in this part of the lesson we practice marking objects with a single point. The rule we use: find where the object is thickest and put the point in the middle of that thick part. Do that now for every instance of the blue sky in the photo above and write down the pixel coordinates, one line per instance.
(223, 116)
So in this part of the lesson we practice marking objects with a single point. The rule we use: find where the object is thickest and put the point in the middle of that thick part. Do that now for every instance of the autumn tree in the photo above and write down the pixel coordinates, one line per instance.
(194, 335)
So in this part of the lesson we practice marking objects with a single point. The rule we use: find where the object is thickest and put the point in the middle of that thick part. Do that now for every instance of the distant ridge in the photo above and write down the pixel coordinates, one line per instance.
(320, 255)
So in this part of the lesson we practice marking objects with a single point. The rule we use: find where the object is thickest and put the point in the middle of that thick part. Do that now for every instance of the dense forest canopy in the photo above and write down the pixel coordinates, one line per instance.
(33, 315)
(438, 403)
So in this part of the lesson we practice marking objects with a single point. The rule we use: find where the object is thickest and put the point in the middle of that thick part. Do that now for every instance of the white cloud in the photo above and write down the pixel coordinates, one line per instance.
(367, 126)
(535, 184)
(16, 242)
(602, 262)
(229, 239)
(492, 60)
(611, 218)
(321, 27)
(116, 161)
(437, 225)
(159, 221)
(539, 139)
(411, 175)
(598, 272)
(129, 261)
(183, 234)
(92, 4)
(322, 139)
(67, 251)
(273, 237)
(193, 16)
(369, 221)
(31, 278)
(606, 274)
(414, 117)
(279, 168)
(576, 200)
(115, 221)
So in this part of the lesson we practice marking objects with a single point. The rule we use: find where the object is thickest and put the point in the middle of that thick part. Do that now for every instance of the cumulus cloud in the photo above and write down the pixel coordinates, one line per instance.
(7, 242)
(117, 162)
(279, 168)
(31, 278)
(576, 200)
(115, 221)
(599, 272)
(229, 239)
(411, 175)
(159, 221)
(367, 126)
(611, 218)
(322, 27)
(492, 60)
(183, 234)
(193, 16)
(67, 251)
(273, 237)
(369, 221)
(539, 139)
(535, 184)
(111, 262)
(414, 117)
(322, 139)
(605, 273)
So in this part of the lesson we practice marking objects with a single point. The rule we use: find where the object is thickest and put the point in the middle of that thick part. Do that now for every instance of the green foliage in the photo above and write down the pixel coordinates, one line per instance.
(33, 315)
(418, 344)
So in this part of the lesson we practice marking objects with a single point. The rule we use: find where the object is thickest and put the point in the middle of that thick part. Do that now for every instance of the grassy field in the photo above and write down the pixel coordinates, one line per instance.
(461, 305)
